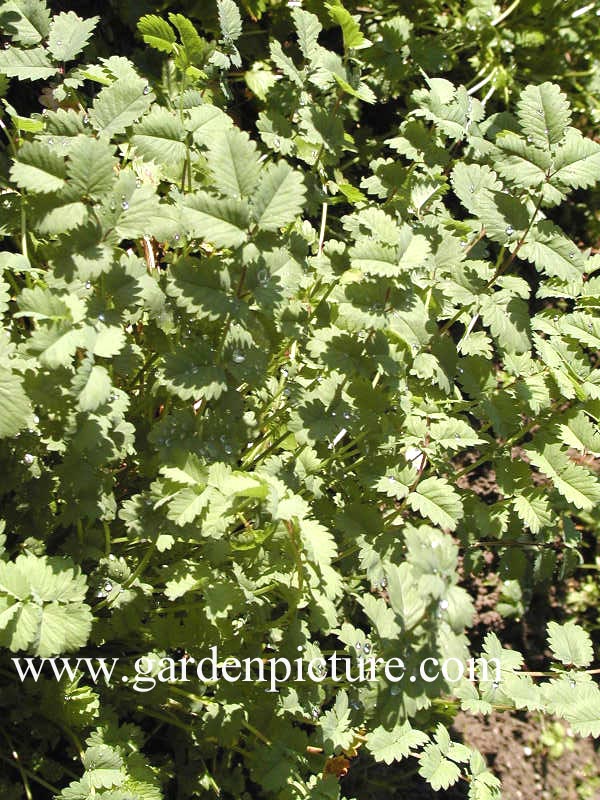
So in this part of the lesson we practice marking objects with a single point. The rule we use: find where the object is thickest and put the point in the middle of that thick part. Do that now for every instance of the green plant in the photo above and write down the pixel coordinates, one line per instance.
(240, 381)
(556, 740)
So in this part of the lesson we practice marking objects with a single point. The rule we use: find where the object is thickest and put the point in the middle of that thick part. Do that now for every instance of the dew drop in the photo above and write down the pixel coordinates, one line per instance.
(51, 141)
(238, 357)
(471, 188)
(358, 647)
(101, 317)
(495, 685)
(263, 277)
(124, 204)
(367, 648)
(277, 142)
(530, 138)
(147, 89)
(572, 683)
(509, 230)
(444, 605)
(177, 237)
(315, 713)
(88, 284)
(572, 254)
(347, 415)
(28, 458)
(108, 587)
(383, 583)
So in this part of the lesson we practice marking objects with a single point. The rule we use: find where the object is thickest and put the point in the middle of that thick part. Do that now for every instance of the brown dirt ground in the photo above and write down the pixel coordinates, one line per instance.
(511, 746)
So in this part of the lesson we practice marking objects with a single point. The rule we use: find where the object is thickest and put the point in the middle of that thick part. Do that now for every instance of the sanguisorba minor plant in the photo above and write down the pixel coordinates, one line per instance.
(241, 379)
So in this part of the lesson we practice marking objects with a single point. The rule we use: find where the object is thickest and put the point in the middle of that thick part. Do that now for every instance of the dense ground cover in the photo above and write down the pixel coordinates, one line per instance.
(299, 356)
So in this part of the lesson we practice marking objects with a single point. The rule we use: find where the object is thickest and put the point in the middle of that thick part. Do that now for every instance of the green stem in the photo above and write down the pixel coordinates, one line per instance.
(27, 773)
(16, 762)
(506, 13)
